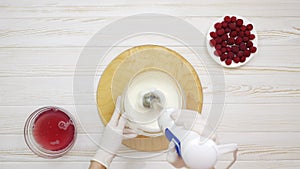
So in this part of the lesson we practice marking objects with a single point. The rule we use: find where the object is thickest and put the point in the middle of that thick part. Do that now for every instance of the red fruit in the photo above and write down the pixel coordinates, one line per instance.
(213, 34)
(223, 57)
(241, 34)
(243, 59)
(217, 52)
(247, 33)
(218, 40)
(218, 25)
(249, 27)
(223, 50)
(212, 42)
(253, 49)
(235, 49)
(230, 54)
(233, 19)
(218, 46)
(224, 44)
(228, 62)
(237, 29)
(236, 59)
(243, 28)
(230, 41)
(227, 30)
(249, 44)
(247, 53)
(240, 53)
(243, 46)
(224, 37)
(245, 39)
(224, 24)
(252, 36)
(231, 26)
(227, 19)
(220, 31)
(238, 40)
(233, 34)
(228, 49)
(239, 22)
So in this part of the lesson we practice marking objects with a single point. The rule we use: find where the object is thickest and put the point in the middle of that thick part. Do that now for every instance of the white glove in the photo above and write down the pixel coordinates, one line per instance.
(112, 137)
(191, 120)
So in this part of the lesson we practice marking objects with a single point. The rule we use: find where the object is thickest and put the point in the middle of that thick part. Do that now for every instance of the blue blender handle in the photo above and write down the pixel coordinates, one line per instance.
(171, 137)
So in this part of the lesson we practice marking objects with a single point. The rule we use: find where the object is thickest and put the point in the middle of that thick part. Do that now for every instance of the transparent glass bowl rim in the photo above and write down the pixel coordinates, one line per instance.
(34, 146)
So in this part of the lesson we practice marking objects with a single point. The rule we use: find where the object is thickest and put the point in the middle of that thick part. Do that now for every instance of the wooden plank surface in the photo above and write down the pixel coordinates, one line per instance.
(40, 42)
(56, 32)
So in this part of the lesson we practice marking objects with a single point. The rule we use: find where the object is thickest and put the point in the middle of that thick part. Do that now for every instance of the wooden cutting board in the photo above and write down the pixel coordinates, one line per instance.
(119, 72)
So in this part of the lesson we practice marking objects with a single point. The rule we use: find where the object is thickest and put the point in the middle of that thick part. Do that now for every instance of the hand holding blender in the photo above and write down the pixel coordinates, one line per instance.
(188, 148)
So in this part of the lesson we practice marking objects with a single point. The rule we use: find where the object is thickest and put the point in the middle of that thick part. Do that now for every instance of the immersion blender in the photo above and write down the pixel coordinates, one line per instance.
(196, 151)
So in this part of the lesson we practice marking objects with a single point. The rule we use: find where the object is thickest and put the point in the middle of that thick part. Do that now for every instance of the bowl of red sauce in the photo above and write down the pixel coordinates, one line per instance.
(50, 132)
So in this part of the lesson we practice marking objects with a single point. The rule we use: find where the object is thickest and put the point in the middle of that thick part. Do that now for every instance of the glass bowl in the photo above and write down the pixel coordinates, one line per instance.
(50, 132)
(158, 86)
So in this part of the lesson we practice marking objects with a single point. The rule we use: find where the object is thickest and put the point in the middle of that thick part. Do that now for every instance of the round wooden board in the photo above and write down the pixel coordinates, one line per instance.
(119, 72)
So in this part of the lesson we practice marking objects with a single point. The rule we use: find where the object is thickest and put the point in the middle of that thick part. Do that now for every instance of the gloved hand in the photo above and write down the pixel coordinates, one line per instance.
(114, 132)
(191, 120)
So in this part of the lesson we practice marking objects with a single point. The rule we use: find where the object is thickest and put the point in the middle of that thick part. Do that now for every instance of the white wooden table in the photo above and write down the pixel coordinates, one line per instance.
(40, 42)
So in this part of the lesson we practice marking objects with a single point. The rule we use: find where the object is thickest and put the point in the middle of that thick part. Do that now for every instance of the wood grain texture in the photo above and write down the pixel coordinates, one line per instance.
(93, 8)
(40, 42)
(57, 31)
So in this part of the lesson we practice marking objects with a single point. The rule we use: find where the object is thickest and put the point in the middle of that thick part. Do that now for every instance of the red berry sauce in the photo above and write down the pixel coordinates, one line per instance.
(53, 130)
(232, 40)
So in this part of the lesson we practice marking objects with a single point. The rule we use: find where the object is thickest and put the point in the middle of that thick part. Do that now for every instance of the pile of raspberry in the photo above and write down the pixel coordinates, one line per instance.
(232, 40)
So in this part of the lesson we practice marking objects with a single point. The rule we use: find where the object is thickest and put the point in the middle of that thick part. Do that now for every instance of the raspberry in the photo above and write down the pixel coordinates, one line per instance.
(217, 52)
(218, 25)
(224, 24)
(224, 44)
(249, 27)
(238, 40)
(233, 19)
(223, 50)
(235, 49)
(245, 39)
(240, 53)
(218, 46)
(243, 59)
(230, 54)
(227, 19)
(253, 49)
(249, 44)
(241, 34)
(227, 30)
(243, 28)
(233, 34)
(243, 46)
(231, 26)
(247, 53)
(212, 42)
(236, 59)
(239, 22)
(228, 62)
(247, 33)
(220, 31)
(218, 40)
(252, 36)
(224, 37)
(223, 57)
(230, 41)
(228, 49)
(213, 34)
(237, 29)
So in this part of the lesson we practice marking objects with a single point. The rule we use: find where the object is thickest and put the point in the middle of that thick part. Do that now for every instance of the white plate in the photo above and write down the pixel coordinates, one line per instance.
(212, 49)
